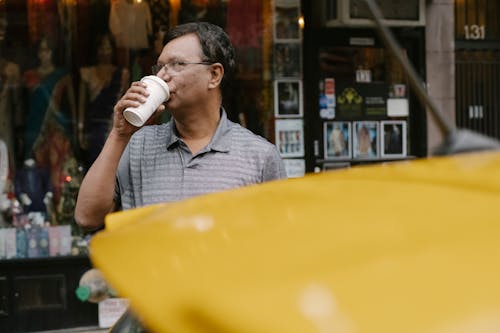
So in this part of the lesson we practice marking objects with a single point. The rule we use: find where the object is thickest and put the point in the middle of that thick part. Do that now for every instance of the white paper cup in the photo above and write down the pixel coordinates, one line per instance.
(158, 93)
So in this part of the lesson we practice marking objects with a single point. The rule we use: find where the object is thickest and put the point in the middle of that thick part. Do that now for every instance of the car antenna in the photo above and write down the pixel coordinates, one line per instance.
(455, 140)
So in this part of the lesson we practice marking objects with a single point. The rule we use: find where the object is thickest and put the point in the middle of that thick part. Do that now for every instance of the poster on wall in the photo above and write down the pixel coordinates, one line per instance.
(355, 101)
(295, 167)
(393, 138)
(287, 98)
(287, 60)
(290, 137)
(286, 20)
(365, 139)
(327, 99)
(375, 99)
(337, 140)
(349, 102)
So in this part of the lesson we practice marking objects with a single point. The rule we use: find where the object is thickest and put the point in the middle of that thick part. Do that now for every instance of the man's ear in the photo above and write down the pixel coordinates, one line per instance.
(216, 72)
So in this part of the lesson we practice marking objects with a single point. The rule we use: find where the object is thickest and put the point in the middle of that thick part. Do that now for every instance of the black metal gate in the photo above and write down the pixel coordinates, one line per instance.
(477, 65)
(478, 91)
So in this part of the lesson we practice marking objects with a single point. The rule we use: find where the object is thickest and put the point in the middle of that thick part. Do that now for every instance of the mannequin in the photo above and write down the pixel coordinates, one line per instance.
(52, 112)
(101, 85)
(10, 104)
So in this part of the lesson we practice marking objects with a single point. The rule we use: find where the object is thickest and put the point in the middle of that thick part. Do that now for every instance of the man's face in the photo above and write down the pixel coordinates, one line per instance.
(185, 72)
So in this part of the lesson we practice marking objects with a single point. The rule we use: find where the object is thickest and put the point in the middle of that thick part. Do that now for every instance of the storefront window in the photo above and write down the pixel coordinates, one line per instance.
(63, 66)
(364, 100)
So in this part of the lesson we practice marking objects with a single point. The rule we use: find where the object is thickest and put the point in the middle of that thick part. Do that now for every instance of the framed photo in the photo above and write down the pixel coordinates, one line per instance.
(393, 138)
(286, 20)
(295, 167)
(337, 140)
(290, 137)
(287, 60)
(365, 139)
(288, 98)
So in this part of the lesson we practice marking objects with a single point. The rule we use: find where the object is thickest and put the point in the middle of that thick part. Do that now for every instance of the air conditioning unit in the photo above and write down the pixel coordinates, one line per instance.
(397, 13)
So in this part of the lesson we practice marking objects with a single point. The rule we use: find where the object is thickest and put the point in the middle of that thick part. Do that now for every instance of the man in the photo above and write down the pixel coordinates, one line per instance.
(199, 151)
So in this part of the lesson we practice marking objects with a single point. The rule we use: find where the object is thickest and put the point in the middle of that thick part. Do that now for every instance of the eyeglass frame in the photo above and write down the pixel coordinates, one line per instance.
(156, 68)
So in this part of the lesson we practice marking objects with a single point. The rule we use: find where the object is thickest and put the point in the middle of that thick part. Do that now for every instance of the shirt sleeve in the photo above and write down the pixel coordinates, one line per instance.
(274, 167)
(122, 182)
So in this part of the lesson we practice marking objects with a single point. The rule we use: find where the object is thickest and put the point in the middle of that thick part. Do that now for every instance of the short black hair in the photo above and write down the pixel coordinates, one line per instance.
(215, 45)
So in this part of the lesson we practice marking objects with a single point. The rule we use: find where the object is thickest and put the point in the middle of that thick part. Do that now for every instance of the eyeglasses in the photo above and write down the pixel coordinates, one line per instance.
(176, 66)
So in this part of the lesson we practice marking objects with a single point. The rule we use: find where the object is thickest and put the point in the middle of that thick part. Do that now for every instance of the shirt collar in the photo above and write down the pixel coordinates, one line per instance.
(220, 141)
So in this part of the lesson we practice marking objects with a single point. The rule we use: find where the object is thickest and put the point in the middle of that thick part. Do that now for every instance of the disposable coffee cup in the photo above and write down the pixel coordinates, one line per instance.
(158, 93)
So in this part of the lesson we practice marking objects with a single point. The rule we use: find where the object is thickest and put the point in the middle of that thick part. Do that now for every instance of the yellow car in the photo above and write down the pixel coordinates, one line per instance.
(402, 247)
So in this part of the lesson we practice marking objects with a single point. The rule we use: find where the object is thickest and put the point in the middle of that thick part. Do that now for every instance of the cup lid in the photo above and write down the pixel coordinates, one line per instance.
(158, 80)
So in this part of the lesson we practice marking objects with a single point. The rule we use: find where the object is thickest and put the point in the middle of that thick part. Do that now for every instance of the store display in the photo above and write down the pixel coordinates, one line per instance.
(35, 240)
(367, 91)
(57, 134)
(101, 85)
(49, 134)
(50, 95)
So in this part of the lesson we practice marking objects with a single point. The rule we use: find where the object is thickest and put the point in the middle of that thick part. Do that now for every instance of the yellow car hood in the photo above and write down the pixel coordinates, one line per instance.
(402, 247)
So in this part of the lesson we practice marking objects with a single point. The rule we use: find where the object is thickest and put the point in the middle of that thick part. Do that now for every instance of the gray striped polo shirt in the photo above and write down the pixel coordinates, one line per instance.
(157, 166)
